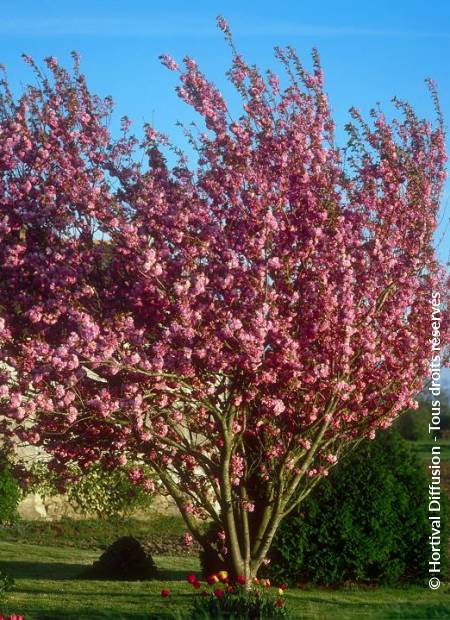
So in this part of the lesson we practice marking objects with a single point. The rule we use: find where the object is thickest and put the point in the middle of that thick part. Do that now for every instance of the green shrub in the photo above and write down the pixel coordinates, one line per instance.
(125, 560)
(108, 494)
(10, 494)
(413, 423)
(367, 522)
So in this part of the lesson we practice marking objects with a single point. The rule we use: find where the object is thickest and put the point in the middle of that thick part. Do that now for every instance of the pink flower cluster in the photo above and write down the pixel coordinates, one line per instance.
(233, 326)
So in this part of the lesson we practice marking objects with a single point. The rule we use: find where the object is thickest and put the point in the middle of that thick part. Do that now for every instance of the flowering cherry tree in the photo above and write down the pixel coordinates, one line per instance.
(236, 324)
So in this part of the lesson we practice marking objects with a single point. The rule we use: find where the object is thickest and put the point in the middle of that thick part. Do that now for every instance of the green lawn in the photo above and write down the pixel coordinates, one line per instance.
(47, 589)
(423, 449)
(91, 533)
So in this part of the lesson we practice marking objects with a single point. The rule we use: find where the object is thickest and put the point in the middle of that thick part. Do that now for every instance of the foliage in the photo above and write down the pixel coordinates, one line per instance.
(413, 423)
(231, 325)
(444, 401)
(241, 605)
(224, 598)
(108, 494)
(445, 411)
(368, 521)
(125, 560)
(10, 494)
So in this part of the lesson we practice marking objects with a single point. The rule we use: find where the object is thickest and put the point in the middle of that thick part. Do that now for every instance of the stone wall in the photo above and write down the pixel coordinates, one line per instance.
(34, 507)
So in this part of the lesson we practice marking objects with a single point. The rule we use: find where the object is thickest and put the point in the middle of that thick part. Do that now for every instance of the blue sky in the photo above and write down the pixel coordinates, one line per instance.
(370, 51)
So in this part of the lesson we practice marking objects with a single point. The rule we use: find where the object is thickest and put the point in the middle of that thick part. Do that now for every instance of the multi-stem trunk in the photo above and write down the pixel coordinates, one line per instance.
(250, 517)
(247, 548)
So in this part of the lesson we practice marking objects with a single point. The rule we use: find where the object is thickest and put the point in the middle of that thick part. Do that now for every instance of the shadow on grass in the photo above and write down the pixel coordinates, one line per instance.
(97, 605)
(159, 615)
(162, 575)
(54, 571)
(60, 571)
(174, 575)
(104, 614)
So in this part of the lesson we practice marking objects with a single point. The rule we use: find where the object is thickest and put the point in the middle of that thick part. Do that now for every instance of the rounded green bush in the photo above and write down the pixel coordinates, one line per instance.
(126, 560)
(367, 522)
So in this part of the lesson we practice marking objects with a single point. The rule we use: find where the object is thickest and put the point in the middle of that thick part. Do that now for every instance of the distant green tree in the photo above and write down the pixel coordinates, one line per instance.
(445, 412)
(413, 423)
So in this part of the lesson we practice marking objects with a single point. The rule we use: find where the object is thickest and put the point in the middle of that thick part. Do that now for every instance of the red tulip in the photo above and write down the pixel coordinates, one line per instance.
(218, 592)
(241, 580)
(165, 593)
(192, 579)
(212, 579)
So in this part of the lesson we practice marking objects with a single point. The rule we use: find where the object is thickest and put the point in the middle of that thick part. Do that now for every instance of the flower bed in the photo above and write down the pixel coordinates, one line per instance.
(221, 597)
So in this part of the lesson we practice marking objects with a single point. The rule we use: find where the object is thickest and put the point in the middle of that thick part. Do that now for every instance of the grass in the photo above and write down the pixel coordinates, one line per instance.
(91, 533)
(423, 449)
(47, 589)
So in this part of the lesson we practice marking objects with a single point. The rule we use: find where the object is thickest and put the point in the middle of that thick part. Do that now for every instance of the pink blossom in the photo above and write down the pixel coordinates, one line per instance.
(226, 315)
(169, 62)
(187, 539)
